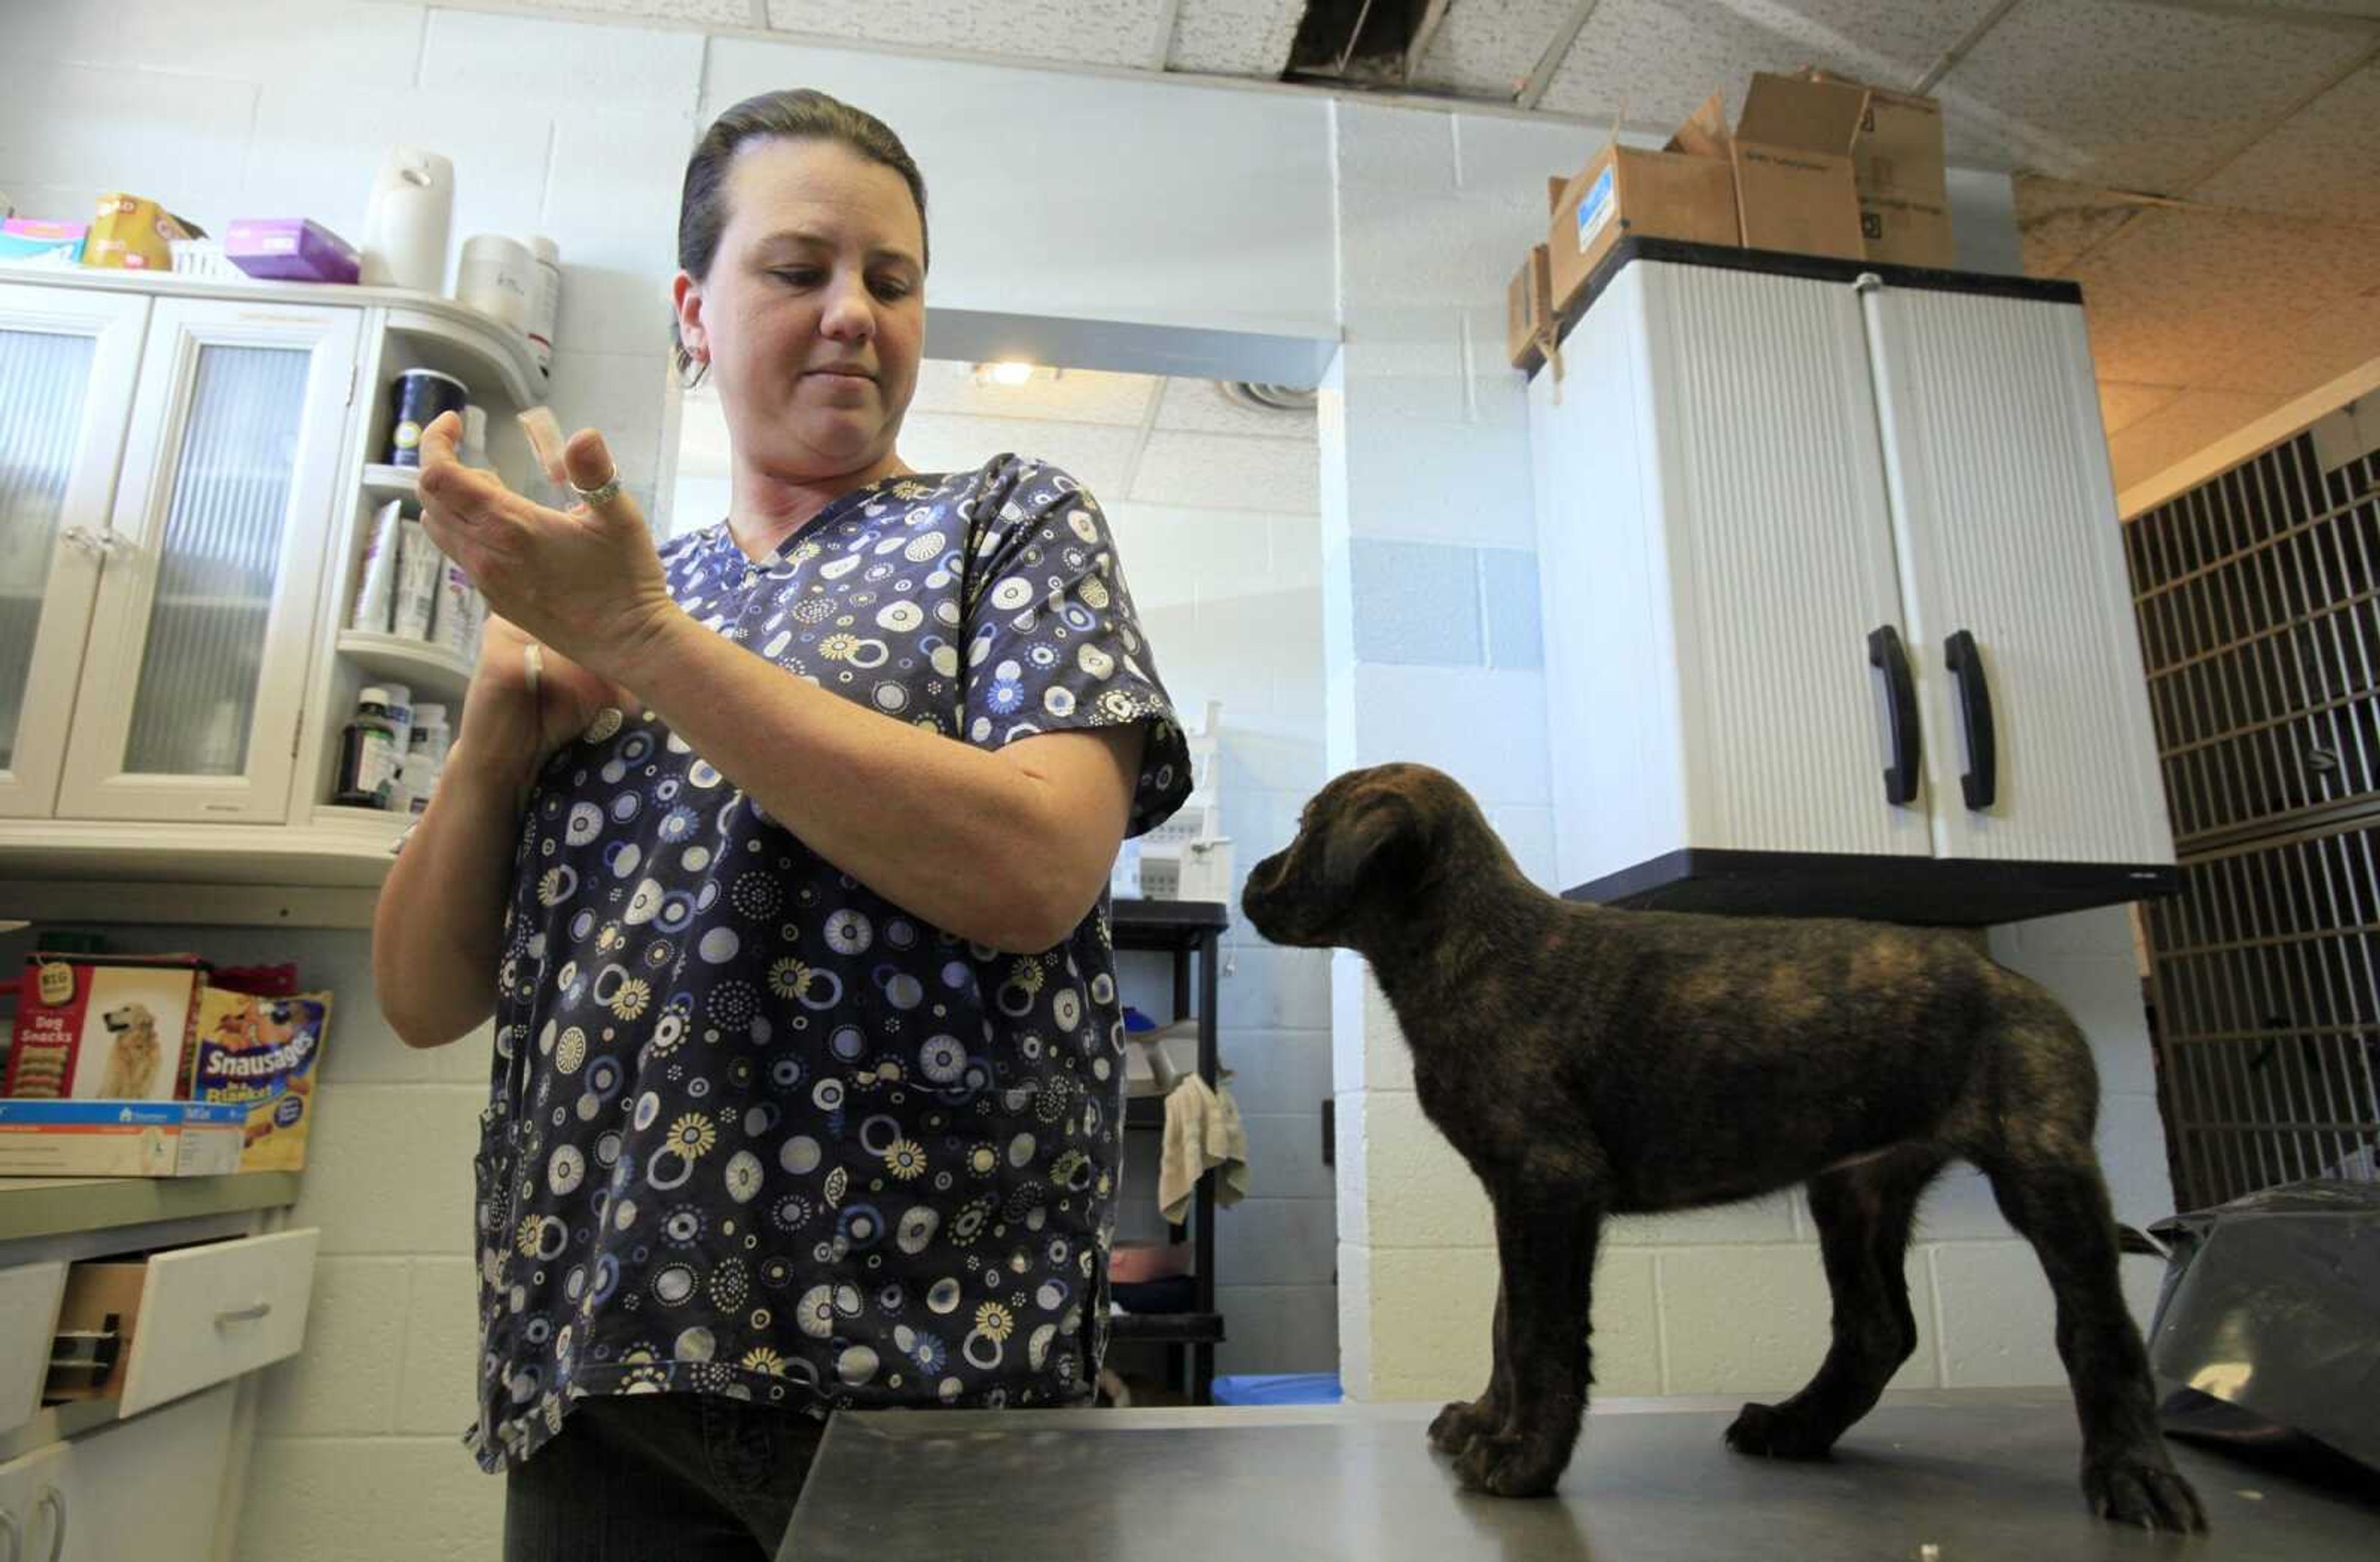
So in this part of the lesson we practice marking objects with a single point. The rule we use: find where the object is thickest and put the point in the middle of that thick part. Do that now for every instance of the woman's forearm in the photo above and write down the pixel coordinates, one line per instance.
(993, 848)
(438, 929)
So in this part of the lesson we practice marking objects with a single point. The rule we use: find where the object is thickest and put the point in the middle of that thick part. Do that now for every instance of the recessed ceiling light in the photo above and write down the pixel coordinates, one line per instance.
(1007, 373)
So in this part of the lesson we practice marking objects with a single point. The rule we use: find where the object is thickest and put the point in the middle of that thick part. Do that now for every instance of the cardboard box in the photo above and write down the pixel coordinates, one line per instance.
(120, 1138)
(28, 240)
(1899, 168)
(261, 1055)
(1528, 310)
(1629, 192)
(1790, 152)
(104, 1027)
(135, 234)
(97, 1319)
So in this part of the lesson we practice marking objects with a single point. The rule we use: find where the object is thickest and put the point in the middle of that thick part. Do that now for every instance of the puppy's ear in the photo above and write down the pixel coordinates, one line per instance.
(1381, 827)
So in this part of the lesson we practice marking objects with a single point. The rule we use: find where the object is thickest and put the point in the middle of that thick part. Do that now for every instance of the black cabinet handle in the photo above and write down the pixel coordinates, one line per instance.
(1965, 659)
(1886, 654)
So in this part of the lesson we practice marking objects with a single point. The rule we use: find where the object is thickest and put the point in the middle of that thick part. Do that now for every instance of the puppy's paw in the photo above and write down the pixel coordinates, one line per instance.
(2143, 1488)
(1511, 1467)
(1773, 1432)
(1460, 1424)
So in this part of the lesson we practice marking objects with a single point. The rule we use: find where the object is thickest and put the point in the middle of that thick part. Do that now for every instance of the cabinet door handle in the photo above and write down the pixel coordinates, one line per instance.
(55, 1501)
(243, 1314)
(1887, 655)
(1981, 782)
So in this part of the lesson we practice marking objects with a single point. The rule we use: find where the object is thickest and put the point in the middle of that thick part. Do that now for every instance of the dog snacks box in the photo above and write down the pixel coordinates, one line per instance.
(104, 1027)
(260, 1054)
(119, 1138)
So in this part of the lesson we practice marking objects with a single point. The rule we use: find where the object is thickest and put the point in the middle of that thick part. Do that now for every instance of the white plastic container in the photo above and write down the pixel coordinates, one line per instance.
(418, 566)
(498, 277)
(425, 755)
(452, 625)
(404, 226)
(376, 585)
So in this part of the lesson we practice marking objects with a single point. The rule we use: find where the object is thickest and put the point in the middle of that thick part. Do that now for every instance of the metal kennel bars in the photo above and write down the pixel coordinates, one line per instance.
(2259, 609)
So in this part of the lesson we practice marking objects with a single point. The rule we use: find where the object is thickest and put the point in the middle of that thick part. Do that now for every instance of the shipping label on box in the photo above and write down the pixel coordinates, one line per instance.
(261, 1055)
(119, 1138)
(1906, 233)
(101, 1027)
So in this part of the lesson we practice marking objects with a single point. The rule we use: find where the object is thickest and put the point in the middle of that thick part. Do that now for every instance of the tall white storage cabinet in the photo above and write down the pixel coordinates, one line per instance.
(1834, 605)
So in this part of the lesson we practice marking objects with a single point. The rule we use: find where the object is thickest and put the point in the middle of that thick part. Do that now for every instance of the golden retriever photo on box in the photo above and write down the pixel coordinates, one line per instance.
(132, 1052)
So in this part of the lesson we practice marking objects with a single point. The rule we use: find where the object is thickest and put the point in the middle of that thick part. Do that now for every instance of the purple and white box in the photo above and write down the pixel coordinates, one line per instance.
(290, 249)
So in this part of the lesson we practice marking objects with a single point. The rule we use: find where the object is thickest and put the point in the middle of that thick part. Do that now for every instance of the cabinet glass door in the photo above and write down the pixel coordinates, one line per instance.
(193, 691)
(68, 360)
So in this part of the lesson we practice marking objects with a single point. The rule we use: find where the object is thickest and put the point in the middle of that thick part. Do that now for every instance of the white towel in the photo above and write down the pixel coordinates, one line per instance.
(1203, 1133)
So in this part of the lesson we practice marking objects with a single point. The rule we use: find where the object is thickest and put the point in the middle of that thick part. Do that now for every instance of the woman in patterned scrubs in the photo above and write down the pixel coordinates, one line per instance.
(806, 1077)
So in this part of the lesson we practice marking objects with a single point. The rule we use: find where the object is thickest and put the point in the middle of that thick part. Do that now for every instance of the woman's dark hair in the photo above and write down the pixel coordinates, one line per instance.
(796, 114)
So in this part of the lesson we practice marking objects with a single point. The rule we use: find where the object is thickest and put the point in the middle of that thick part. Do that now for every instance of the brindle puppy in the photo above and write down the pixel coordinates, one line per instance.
(1590, 1062)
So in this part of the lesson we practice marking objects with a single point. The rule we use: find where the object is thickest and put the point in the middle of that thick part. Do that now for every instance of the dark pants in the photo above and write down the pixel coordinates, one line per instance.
(636, 1478)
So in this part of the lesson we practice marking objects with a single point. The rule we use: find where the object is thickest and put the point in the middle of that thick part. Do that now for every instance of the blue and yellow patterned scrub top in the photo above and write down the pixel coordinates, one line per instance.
(753, 1130)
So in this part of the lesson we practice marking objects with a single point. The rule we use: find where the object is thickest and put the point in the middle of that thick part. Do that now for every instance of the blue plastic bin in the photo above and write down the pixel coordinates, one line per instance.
(1278, 1388)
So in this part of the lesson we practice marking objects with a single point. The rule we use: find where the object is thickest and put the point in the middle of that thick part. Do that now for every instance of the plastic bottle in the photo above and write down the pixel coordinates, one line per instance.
(425, 754)
(368, 753)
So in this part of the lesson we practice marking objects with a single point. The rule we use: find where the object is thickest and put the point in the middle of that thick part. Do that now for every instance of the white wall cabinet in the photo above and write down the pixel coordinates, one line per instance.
(191, 688)
(69, 364)
(186, 474)
(1834, 605)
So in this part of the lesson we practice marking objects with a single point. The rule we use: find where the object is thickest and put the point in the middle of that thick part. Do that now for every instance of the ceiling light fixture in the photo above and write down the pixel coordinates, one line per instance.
(1004, 374)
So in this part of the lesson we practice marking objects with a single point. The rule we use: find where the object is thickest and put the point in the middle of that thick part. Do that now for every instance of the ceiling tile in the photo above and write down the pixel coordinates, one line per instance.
(1200, 407)
(1225, 472)
(2323, 162)
(2142, 96)
(1076, 396)
(2060, 221)
(1235, 37)
(2186, 425)
(1096, 456)
(726, 13)
(2123, 405)
(1484, 51)
(1658, 59)
(2217, 299)
(1037, 32)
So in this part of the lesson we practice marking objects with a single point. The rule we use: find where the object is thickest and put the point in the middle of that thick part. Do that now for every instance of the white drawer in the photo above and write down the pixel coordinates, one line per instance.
(28, 1312)
(211, 1313)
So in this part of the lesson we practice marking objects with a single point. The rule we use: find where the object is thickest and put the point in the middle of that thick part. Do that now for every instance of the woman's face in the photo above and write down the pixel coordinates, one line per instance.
(814, 310)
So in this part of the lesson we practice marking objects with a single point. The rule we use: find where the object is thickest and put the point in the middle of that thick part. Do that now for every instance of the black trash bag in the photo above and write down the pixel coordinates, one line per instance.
(2267, 1331)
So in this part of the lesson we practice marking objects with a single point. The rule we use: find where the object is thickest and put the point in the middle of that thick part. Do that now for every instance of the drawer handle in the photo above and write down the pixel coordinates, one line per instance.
(16, 1534)
(242, 1316)
(55, 1500)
